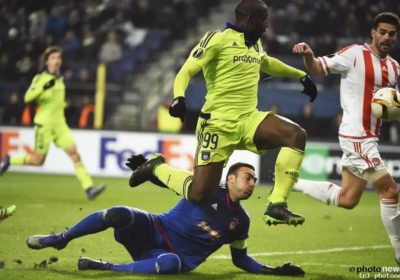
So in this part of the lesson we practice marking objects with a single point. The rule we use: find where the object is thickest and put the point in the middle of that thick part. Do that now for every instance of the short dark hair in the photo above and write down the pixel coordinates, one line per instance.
(386, 17)
(248, 7)
(233, 169)
(50, 50)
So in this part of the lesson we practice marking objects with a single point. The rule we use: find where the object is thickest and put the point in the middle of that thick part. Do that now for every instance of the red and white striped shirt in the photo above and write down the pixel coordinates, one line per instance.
(361, 72)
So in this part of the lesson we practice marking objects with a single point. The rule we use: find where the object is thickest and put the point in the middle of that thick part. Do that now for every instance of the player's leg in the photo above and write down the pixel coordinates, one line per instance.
(43, 138)
(266, 131)
(134, 229)
(92, 191)
(119, 217)
(63, 139)
(215, 143)
(7, 212)
(158, 262)
(387, 190)
(182, 182)
(355, 161)
(347, 196)
(146, 245)
(199, 187)
(362, 163)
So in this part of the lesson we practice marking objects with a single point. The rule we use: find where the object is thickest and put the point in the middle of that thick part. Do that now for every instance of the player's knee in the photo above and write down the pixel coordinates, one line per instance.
(118, 217)
(73, 154)
(200, 196)
(349, 205)
(38, 160)
(293, 136)
(200, 191)
(347, 201)
(168, 264)
(393, 192)
(75, 157)
(298, 135)
(390, 192)
(386, 187)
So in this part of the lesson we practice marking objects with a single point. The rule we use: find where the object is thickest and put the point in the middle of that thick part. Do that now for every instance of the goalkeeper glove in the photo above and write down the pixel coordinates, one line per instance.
(178, 108)
(135, 161)
(310, 88)
(285, 270)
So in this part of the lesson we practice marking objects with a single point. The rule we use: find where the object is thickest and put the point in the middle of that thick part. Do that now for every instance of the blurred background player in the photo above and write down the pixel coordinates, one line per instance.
(174, 242)
(48, 91)
(364, 69)
(7, 212)
(231, 59)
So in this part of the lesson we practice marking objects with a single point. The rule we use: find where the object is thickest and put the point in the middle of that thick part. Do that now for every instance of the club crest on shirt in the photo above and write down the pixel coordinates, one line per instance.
(205, 156)
(233, 224)
(198, 53)
(376, 161)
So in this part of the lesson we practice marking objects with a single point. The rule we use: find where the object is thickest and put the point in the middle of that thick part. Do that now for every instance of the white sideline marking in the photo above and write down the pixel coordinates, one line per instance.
(327, 264)
(310, 252)
(313, 264)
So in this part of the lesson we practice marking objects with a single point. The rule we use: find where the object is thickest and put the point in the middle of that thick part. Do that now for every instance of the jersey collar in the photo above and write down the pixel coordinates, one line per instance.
(241, 29)
(371, 51)
(231, 205)
(55, 75)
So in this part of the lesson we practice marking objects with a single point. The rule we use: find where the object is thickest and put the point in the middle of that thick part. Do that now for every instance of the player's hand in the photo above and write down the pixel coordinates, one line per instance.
(310, 88)
(289, 270)
(302, 49)
(135, 161)
(285, 270)
(178, 108)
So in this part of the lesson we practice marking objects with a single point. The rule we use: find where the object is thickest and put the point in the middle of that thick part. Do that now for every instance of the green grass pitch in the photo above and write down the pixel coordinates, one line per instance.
(329, 242)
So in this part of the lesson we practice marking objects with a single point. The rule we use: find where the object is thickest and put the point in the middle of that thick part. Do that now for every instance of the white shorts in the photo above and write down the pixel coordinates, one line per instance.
(360, 156)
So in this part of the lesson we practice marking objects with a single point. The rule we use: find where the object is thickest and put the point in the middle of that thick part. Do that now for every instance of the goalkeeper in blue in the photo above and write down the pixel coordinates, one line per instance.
(179, 240)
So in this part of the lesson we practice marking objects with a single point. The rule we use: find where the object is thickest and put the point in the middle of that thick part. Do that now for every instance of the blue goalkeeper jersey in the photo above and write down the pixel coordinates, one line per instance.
(195, 231)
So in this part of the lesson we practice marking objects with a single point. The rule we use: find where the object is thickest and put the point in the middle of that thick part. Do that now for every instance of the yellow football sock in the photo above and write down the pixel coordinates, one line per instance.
(287, 169)
(175, 179)
(20, 160)
(83, 176)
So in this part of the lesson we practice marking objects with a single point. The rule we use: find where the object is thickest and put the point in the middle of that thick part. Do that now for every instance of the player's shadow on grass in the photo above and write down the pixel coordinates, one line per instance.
(114, 274)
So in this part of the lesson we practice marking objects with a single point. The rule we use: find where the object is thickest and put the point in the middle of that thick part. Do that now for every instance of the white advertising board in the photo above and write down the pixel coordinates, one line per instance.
(105, 152)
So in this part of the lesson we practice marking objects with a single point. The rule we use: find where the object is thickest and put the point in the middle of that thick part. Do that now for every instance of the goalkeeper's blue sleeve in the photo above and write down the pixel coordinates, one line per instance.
(243, 261)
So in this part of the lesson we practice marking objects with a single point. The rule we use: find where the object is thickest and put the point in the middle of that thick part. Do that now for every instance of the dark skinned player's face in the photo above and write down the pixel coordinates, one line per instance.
(257, 23)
